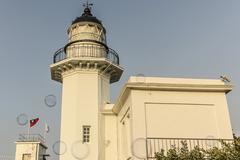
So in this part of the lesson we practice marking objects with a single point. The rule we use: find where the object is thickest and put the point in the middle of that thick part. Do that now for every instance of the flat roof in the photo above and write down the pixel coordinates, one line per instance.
(141, 79)
(170, 84)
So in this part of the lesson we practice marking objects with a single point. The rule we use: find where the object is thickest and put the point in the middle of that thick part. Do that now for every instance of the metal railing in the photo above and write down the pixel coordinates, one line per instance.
(77, 50)
(154, 145)
(31, 138)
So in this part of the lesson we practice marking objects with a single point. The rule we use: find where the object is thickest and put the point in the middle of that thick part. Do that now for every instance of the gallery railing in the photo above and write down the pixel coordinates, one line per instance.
(31, 138)
(154, 145)
(78, 50)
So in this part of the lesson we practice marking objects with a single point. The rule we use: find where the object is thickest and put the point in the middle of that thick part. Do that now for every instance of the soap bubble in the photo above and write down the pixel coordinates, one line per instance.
(139, 148)
(80, 150)
(22, 119)
(50, 100)
(56, 148)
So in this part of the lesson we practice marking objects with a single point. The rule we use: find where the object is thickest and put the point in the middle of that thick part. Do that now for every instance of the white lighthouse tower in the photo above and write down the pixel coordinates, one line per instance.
(86, 67)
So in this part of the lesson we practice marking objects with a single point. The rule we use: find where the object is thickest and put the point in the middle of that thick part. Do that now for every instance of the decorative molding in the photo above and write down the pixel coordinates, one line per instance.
(85, 64)
(168, 87)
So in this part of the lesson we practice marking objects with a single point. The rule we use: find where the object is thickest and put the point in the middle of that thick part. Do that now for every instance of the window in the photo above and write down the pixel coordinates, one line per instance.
(86, 134)
(26, 157)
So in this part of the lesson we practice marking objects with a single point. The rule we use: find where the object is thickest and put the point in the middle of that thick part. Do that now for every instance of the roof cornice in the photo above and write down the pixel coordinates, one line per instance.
(168, 87)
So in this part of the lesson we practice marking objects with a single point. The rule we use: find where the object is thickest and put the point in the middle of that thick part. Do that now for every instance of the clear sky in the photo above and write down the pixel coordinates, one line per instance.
(168, 38)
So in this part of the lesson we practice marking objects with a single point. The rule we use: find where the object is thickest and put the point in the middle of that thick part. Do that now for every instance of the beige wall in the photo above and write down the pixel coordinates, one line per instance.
(110, 143)
(84, 95)
(124, 125)
(181, 114)
(171, 120)
(34, 148)
(103, 98)
(79, 107)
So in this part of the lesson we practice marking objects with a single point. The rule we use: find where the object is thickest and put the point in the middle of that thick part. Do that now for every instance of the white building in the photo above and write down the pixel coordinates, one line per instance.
(150, 113)
(155, 113)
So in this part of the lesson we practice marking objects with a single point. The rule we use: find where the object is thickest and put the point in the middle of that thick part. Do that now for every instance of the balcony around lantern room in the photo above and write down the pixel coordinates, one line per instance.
(86, 50)
(86, 54)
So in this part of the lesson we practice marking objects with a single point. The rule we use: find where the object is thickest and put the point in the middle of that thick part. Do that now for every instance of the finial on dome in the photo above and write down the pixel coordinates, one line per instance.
(87, 10)
(87, 15)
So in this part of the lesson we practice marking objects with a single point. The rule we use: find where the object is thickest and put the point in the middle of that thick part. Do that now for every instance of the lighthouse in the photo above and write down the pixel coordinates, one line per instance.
(85, 67)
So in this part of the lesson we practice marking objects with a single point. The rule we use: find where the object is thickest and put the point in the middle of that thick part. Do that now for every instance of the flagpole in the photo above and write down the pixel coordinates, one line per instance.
(29, 130)
(44, 135)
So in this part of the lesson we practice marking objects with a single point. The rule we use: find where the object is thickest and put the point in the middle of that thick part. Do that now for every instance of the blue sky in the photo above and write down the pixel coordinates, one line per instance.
(167, 38)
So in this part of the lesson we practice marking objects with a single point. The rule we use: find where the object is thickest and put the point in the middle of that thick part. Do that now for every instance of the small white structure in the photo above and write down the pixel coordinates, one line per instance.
(30, 147)
(150, 113)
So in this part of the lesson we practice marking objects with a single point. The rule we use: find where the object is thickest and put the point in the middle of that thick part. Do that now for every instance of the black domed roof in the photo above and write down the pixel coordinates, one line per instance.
(87, 17)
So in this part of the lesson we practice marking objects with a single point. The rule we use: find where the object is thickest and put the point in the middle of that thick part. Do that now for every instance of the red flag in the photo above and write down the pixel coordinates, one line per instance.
(33, 122)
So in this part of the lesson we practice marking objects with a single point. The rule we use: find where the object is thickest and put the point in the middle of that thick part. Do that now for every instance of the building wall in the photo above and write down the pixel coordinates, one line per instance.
(34, 148)
(103, 98)
(110, 143)
(24, 148)
(80, 106)
(169, 114)
(145, 111)
(124, 125)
